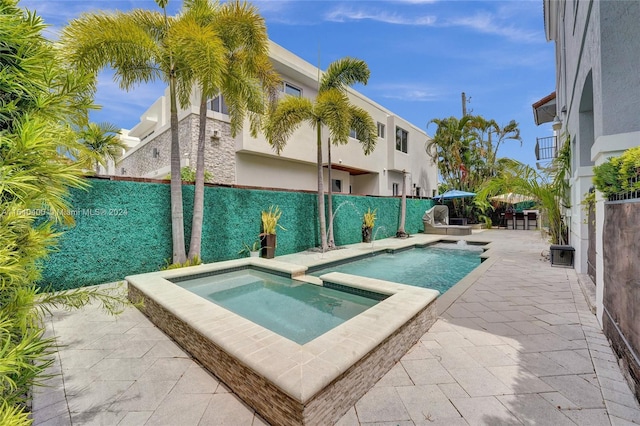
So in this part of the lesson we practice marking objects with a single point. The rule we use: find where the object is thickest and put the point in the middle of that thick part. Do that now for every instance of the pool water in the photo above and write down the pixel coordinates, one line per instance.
(435, 267)
(296, 310)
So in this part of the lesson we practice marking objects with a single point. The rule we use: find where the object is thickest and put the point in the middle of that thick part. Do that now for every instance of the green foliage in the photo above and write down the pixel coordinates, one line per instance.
(188, 174)
(11, 415)
(615, 175)
(606, 177)
(42, 102)
(369, 218)
(247, 249)
(270, 220)
(177, 265)
(466, 151)
(102, 142)
(549, 191)
(110, 299)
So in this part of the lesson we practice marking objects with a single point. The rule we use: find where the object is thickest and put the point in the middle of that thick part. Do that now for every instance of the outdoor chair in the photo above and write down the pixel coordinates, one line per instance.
(532, 218)
(508, 216)
(519, 220)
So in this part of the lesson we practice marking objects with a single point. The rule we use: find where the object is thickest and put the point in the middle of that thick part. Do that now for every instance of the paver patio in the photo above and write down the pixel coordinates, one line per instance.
(519, 346)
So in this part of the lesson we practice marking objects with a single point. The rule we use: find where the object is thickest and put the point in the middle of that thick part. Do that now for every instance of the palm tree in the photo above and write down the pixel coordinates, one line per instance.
(103, 143)
(509, 132)
(331, 109)
(550, 190)
(450, 148)
(144, 46)
(238, 36)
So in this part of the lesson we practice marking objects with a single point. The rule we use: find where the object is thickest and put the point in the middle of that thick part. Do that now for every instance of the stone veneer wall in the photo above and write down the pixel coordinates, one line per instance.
(275, 406)
(621, 319)
(219, 156)
(335, 400)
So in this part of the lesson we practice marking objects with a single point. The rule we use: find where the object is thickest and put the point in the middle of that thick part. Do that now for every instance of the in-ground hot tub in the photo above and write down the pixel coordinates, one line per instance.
(294, 309)
(286, 382)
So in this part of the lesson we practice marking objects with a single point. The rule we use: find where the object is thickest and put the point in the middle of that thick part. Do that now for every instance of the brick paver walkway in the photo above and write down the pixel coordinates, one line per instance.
(520, 346)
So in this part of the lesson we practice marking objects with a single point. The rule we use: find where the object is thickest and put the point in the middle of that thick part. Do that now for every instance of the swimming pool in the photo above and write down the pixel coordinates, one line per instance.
(437, 267)
(293, 309)
(288, 383)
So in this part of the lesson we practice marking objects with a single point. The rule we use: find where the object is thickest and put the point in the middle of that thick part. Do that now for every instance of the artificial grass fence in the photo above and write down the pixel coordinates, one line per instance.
(124, 227)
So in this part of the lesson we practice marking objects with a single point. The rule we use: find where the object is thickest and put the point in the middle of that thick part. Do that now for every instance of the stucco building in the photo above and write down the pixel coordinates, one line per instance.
(249, 161)
(597, 107)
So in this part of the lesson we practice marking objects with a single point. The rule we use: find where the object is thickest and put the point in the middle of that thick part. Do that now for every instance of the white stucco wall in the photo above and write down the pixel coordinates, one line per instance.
(251, 161)
(598, 87)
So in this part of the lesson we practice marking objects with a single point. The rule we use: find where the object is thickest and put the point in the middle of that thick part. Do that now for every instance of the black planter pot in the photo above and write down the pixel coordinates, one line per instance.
(268, 243)
(366, 234)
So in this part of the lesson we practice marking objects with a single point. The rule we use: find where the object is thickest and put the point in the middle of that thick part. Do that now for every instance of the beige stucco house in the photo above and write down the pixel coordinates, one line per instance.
(249, 161)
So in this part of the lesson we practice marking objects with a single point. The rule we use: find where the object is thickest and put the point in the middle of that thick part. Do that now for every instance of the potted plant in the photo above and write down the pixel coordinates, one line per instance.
(368, 222)
(252, 250)
(270, 224)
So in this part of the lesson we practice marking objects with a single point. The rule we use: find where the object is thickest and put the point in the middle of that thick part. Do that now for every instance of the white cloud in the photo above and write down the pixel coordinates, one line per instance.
(343, 14)
(488, 23)
(498, 23)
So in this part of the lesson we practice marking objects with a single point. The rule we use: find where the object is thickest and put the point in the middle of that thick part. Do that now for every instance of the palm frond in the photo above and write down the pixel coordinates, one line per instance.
(127, 42)
(332, 108)
(365, 128)
(111, 300)
(286, 118)
(343, 73)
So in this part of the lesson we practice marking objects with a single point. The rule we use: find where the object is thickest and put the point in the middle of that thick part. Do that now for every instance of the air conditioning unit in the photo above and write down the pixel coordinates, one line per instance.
(156, 153)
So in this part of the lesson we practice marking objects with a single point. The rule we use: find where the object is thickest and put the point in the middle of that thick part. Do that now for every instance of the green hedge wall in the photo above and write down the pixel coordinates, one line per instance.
(124, 228)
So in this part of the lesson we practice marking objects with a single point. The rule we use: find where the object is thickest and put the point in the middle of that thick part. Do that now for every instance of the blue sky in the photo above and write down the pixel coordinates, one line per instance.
(422, 55)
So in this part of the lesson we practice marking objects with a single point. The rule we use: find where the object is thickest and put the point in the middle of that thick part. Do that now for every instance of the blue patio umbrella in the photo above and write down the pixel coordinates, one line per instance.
(454, 193)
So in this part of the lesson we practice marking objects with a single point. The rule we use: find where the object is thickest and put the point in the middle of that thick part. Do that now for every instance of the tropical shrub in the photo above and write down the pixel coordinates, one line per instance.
(617, 174)
(188, 174)
(270, 220)
(369, 218)
(177, 265)
(42, 101)
(550, 190)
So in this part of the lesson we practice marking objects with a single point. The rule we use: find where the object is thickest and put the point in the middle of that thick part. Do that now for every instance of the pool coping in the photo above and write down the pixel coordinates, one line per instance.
(300, 371)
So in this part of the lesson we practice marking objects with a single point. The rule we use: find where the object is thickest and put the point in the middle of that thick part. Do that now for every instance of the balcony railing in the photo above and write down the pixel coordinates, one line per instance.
(546, 148)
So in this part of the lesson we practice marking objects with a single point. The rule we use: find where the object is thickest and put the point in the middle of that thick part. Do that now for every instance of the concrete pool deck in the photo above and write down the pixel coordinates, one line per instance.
(515, 344)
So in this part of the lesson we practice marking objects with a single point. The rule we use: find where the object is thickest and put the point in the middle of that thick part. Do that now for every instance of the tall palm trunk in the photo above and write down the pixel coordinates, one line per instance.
(330, 241)
(403, 207)
(198, 196)
(321, 216)
(177, 213)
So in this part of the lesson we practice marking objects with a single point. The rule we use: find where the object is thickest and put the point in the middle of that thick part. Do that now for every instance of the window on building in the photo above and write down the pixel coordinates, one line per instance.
(336, 185)
(218, 104)
(292, 90)
(396, 189)
(353, 134)
(402, 139)
(380, 130)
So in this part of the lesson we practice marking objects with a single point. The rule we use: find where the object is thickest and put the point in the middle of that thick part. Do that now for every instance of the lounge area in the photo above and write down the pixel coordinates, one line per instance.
(436, 221)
